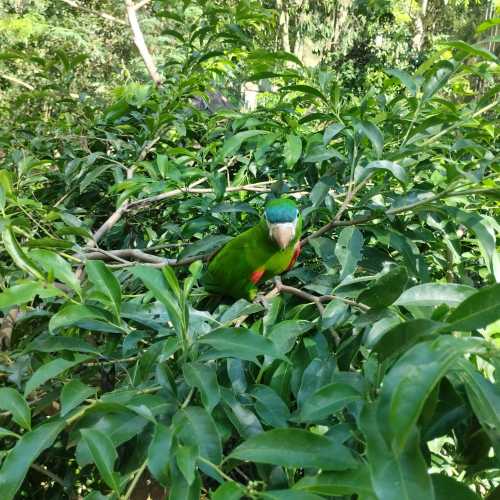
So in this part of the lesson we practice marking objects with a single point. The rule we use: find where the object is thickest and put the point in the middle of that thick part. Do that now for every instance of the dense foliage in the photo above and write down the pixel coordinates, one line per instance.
(370, 370)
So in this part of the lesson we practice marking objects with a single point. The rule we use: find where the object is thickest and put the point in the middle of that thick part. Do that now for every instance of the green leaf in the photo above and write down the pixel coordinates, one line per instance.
(402, 336)
(331, 131)
(105, 282)
(285, 333)
(289, 495)
(6, 433)
(338, 483)
(156, 282)
(73, 393)
(104, 456)
(12, 401)
(306, 89)
(26, 292)
(52, 369)
(24, 453)
(196, 427)
(486, 25)
(295, 448)
(326, 401)
(484, 228)
(228, 491)
(386, 289)
(186, 461)
(18, 255)
(438, 79)
(56, 266)
(471, 50)
(233, 143)
(75, 314)
(270, 407)
(394, 476)
(434, 294)
(484, 397)
(204, 378)
(374, 135)
(405, 78)
(477, 311)
(394, 168)
(159, 453)
(409, 383)
(445, 487)
(54, 343)
(204, 246)
(292, 150)
(179, 489)
(348, 250)
(239, 343)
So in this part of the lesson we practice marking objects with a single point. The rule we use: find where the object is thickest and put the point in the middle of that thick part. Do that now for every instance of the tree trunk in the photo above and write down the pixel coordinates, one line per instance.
(419, 37)
(284, 22)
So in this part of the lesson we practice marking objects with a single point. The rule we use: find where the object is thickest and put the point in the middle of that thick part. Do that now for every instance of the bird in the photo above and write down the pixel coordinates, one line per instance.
(258, 254)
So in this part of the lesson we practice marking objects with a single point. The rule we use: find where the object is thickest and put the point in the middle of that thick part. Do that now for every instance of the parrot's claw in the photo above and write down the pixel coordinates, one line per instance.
(261, 299)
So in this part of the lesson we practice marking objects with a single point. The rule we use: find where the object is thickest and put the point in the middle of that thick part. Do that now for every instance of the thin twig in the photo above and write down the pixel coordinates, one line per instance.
(141, 43)
(15, 80)
(48, 473)
(481, 111)
(104, 15)
(134, 482)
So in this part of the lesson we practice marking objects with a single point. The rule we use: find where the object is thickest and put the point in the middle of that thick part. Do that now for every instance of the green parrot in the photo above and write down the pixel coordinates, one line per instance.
(267, 249)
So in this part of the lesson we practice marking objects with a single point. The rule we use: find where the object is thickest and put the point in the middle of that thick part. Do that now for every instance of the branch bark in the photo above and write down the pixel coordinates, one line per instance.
(15, 80)
(104, 15)
(141, 43)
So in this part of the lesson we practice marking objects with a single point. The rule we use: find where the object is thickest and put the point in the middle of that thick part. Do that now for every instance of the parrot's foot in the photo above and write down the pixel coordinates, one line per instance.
(261, 299)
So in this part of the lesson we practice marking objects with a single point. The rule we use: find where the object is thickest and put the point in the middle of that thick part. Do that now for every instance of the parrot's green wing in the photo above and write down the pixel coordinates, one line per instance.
(245, 260)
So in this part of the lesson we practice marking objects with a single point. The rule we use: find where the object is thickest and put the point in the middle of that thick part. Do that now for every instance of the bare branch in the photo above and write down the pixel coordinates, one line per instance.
(15, 80)
(49, 474)
(131, 253)
(6, 328)
(141, 43)
(104, 15)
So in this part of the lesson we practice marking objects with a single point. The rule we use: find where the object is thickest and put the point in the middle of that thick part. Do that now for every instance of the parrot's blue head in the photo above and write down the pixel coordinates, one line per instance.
(281, 215)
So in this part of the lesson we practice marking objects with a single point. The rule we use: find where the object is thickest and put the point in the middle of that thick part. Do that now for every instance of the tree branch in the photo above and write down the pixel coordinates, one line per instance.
(104, 15)
(17, 81)
(49, 474)
(141, 43)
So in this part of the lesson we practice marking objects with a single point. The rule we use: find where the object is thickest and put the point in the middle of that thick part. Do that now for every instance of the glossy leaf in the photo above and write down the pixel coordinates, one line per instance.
(386, 289)
(74, 393)
(204, 378)
(11, 400)
(326, 401)
(239, 343)
(295, 448)
(434, 294)
(52, 369)
(410, 382)
(56, 266)
(394, 476)
(104, 456)
(348, 250)
(25, 452)
(159, 453)
(26, 292)
(105, 282)
(292, 150)
(477, 311)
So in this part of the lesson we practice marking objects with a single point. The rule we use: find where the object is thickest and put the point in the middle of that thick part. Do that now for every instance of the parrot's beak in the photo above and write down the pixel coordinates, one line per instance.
(282, 233)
